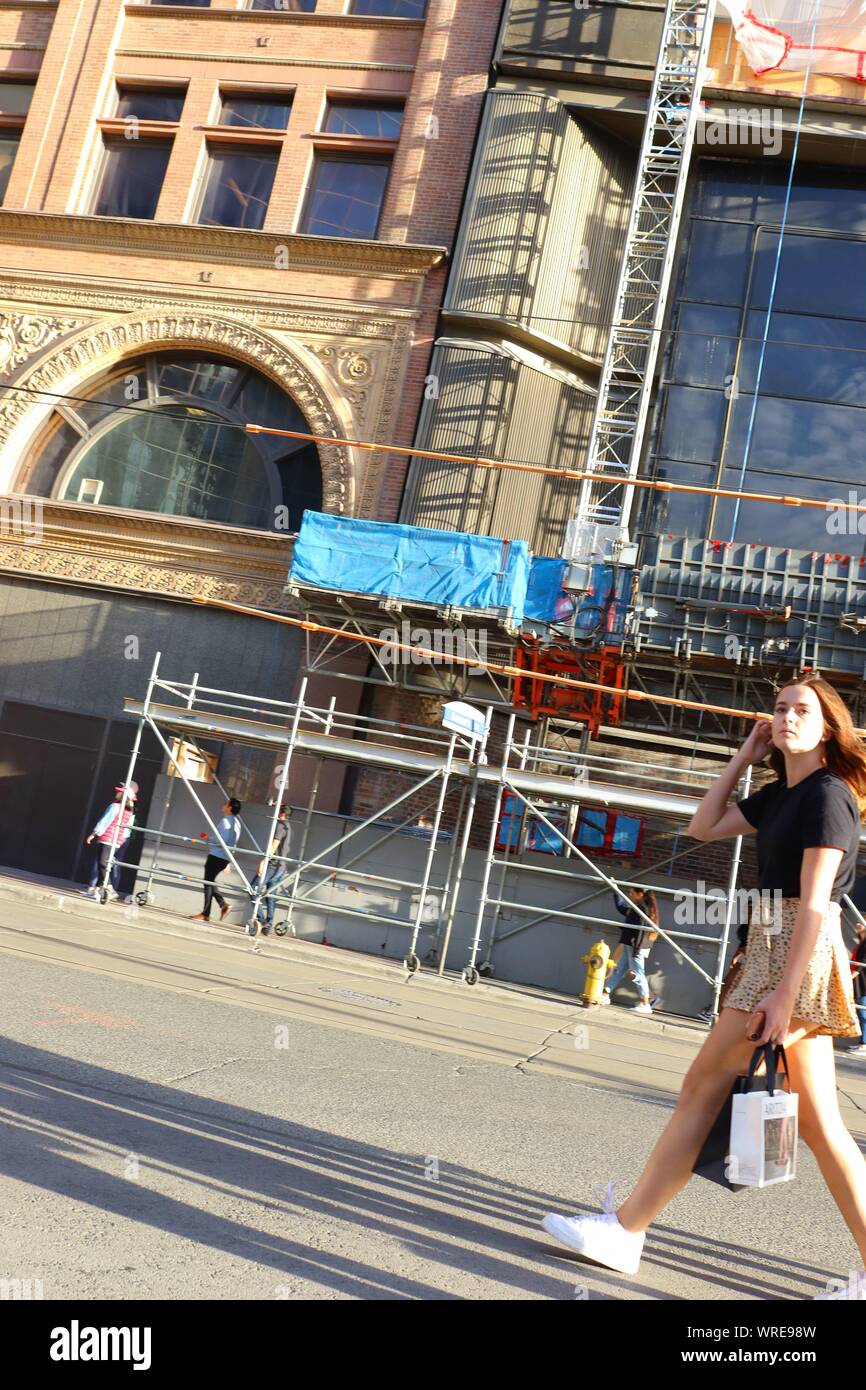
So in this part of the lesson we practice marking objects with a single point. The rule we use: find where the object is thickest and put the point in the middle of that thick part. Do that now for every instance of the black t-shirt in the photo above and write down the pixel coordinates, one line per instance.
(820, 810)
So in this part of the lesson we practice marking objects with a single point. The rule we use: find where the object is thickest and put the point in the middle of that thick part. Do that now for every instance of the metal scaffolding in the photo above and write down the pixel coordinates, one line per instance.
(434, 762)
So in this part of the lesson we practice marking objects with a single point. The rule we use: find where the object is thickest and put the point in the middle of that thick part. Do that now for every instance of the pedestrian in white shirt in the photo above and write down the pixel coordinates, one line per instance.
(217, 860)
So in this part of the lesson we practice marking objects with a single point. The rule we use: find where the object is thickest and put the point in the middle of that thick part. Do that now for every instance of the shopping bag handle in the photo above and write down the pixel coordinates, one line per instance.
(771, 1056)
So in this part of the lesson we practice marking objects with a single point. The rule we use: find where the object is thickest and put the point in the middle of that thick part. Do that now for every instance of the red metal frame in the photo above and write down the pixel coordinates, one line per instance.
(602, 664)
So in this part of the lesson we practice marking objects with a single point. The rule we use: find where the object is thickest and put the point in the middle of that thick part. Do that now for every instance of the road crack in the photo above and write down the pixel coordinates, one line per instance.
(212, 1066)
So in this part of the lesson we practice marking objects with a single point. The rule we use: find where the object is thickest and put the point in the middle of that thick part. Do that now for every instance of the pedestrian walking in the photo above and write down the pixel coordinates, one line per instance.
(858, 965)
(108, 832)
(635, 943)
(217, 860)
(707, 1015)
(267, 880)
(795, 987)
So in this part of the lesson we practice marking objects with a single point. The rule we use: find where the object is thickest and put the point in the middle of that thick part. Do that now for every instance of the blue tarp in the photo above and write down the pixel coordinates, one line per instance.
(411, 562)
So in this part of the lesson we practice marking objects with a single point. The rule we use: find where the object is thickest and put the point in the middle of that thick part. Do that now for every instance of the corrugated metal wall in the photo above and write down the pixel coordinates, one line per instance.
(539, 248)
(544, 222)
(509, 205)
(493, 405)
(580, 257)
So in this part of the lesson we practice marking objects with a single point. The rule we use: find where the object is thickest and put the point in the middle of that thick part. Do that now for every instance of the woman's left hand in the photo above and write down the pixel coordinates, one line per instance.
(776, 1009)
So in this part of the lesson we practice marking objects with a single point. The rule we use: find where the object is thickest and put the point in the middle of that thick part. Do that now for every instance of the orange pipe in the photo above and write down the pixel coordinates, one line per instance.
(568, 681)
(573, 473)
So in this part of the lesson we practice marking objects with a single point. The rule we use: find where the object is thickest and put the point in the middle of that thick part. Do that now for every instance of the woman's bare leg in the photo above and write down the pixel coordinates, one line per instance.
(724, 1056)
(813, 1077)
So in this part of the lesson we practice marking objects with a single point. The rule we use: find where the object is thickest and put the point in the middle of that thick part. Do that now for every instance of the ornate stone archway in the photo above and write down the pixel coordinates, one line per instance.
(96, 347)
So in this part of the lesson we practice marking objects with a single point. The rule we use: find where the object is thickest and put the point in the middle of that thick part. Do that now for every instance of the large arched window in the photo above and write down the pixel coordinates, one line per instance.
(164, 433)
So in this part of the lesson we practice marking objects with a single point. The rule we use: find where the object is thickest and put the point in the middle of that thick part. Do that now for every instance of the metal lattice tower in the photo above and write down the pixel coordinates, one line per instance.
(626, 379)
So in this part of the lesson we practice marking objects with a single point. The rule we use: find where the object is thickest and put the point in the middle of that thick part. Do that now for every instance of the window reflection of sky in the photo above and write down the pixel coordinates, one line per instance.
(809, 432)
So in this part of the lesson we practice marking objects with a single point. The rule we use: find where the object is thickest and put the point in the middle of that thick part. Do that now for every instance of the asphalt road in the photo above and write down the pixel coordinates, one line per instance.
(184, 1118)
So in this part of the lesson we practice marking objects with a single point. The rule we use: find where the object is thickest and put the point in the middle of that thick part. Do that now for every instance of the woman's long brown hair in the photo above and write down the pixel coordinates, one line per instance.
(845, 753)
(647, 902)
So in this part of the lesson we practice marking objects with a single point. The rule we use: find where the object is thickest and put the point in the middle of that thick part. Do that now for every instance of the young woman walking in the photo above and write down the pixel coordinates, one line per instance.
(631, 952)
(795, 986)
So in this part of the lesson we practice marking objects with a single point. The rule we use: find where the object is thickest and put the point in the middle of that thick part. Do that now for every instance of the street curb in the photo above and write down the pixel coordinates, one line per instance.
(338, 958)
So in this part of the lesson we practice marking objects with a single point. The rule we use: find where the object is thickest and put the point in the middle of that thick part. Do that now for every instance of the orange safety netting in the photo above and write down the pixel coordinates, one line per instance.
(789, 36)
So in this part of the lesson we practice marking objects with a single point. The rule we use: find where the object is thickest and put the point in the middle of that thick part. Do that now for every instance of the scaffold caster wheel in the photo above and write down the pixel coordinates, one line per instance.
(471, 975)
(281, 928)
(412, 963)
(103, 896)
(485, 970)
(144, 899)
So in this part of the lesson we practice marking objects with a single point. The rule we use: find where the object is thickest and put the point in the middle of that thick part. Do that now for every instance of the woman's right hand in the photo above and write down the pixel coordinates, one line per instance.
(759, 742)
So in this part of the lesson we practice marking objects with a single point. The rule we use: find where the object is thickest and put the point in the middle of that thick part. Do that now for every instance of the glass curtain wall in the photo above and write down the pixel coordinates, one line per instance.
(808, 438)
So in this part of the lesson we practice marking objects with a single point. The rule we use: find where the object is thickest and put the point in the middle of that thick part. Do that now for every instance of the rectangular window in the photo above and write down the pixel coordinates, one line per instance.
(132, 178)
(255, 112)
(287, 6)
(539, 837)
(390, 9)
(8, 149)
(15, 98)
(238, 187)
(150, 103)
(377, 122)
(608, 832)
(346, 196)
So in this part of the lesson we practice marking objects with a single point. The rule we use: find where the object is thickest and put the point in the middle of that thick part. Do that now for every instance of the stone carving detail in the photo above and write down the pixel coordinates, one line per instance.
(25, 335)
(96, 347)
(351, 368)
(114, 573)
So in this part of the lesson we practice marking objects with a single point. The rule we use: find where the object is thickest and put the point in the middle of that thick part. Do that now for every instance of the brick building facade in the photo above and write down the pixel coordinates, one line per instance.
(212, 215)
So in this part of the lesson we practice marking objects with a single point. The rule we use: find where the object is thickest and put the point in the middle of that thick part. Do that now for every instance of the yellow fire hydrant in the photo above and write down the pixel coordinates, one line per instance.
(598, 965)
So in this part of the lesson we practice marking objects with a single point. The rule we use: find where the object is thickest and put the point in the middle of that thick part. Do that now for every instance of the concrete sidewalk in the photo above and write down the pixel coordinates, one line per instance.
(305, 1123)
(513, 1026)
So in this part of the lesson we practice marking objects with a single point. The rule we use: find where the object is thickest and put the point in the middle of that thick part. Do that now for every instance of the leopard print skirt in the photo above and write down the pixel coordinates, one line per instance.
(826, 995)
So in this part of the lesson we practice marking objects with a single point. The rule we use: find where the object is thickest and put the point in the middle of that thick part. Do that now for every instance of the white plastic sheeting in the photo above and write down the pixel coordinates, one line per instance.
(785, 36)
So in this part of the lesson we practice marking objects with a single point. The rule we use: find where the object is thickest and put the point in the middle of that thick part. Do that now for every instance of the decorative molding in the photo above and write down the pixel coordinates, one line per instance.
(270, 60)
(24, 335)
(220, 245)
(288, 313)
(105, 343)
(353, 370)
(174, 558)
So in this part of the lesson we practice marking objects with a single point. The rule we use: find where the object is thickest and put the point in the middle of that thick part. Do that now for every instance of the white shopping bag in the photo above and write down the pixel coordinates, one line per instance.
(763, 1149)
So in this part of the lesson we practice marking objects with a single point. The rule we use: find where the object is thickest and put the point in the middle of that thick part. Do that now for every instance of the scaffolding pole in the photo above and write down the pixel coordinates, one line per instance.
(534, 775)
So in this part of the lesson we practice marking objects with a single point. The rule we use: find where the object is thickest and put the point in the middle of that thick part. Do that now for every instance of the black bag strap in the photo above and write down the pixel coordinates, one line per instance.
(771, 1056)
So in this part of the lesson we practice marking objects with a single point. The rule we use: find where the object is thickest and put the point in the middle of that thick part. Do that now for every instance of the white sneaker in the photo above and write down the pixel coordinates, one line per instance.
(88, 892)
(643, 1009)
(855, 1288)
(599, 1238)
(605, 998)
(859, 1051)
